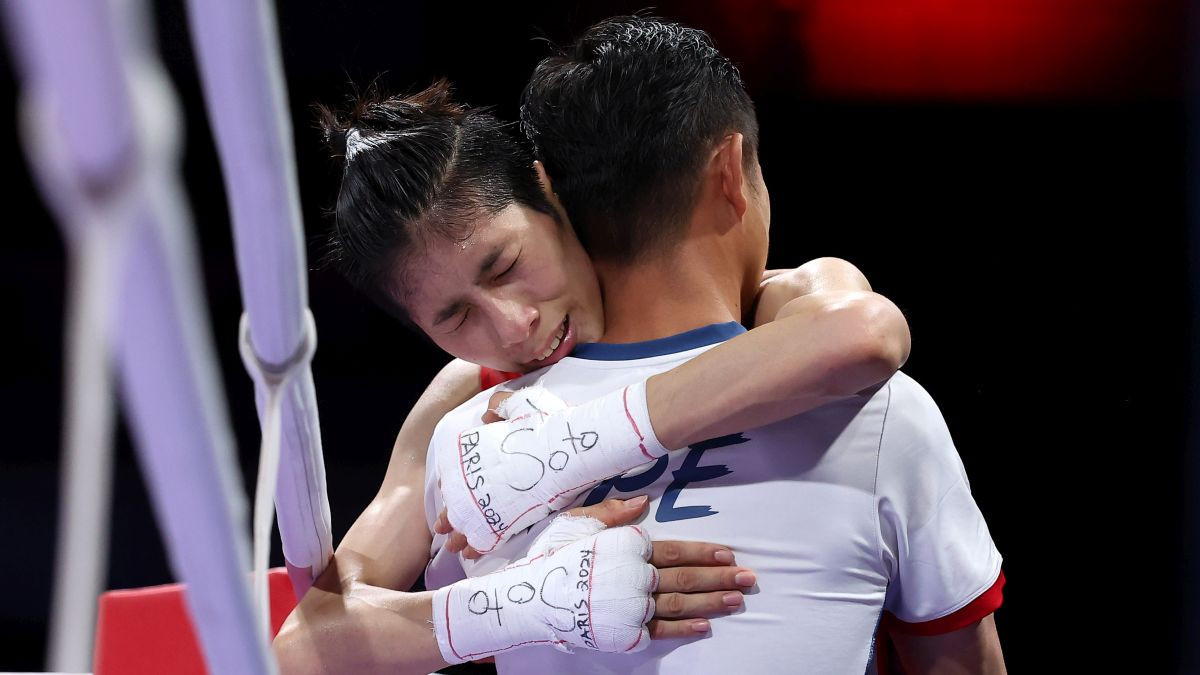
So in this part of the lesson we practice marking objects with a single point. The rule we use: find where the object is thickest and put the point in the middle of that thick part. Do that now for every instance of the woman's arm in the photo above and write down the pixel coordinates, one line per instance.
(820, 335)
(784, 285)
(357, 617)
(821, 347)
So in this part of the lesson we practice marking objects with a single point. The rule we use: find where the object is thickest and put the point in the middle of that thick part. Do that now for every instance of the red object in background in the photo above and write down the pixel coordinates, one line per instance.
(489, 377)
(988, 48)
(148, 631)
(957, 49)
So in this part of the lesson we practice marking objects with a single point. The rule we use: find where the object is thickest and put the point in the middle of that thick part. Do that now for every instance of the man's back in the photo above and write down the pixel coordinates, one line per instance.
(832, 510)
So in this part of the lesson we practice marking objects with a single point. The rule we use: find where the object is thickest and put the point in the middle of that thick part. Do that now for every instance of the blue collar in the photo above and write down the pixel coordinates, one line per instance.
(680, 342)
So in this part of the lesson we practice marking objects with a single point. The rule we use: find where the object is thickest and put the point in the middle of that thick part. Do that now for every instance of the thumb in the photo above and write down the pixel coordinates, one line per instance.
(613, 512)
(493, 405)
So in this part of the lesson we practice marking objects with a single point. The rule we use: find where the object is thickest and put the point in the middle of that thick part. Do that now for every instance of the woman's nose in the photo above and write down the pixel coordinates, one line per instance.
(515, 321)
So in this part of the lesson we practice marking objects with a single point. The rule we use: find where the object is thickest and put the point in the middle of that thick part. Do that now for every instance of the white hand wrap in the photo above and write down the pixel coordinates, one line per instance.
(498, 479)
(582, 585)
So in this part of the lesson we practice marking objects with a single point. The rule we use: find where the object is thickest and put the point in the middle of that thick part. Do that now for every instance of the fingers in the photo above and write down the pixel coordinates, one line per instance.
(704, 579)
(613, 512)
(695, 605)
(493, 402)
(442, 524)
(688, 594)
(689, 553)
(661, 629)
(457, 542)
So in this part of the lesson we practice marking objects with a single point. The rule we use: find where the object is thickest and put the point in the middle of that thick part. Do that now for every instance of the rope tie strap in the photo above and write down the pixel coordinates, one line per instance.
(274, 377)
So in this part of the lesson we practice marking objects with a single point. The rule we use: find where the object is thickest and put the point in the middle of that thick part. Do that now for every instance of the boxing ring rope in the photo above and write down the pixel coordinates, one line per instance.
(238, 53)
(91, 145)
(101, 132)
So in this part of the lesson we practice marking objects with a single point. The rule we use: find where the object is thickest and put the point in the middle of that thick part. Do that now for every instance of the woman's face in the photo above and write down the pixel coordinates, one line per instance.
(517, 295)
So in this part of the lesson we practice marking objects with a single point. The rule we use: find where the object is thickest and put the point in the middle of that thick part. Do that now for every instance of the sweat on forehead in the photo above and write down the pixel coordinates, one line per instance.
(408, 266)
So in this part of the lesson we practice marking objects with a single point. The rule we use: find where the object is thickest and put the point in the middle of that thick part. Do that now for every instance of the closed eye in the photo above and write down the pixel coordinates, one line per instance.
(510, 268)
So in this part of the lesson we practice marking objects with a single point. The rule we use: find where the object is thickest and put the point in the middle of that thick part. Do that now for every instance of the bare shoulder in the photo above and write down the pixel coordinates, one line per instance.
(454, 385)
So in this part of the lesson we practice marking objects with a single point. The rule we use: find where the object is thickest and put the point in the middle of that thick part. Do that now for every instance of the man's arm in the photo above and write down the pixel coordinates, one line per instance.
(357, 617)
(945, 576)
(974, 650)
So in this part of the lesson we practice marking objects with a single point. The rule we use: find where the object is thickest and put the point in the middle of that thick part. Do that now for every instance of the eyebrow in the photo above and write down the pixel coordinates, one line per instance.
(485, 267)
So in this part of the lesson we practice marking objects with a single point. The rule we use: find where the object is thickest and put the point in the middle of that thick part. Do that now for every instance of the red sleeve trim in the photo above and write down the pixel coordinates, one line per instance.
(987, 602)
(490, 377)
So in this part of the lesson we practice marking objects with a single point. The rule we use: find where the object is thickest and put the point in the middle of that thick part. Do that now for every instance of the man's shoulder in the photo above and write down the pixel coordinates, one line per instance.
(912, 414)
(917, 456)
(897, 411)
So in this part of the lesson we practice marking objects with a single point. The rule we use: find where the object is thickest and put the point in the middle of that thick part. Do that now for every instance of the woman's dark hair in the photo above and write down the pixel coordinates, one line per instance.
(624, 121)
(417, 169)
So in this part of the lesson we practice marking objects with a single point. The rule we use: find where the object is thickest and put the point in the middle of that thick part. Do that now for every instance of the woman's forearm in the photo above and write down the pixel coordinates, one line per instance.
(359, 629)
(822, 347)
(352, 620)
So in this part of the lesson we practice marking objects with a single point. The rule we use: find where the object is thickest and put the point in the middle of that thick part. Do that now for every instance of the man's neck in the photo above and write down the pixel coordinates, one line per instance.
(693, 287)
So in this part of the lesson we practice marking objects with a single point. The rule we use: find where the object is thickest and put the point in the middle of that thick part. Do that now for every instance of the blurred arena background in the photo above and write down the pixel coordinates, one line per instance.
(1014, 174)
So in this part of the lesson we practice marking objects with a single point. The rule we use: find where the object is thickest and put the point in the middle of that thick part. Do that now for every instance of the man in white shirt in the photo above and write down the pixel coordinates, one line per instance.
(851, 515)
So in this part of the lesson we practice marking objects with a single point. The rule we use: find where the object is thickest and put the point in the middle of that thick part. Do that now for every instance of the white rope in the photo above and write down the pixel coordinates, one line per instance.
(129, 236)
(237, 51)
(96, 224)
(274, 379)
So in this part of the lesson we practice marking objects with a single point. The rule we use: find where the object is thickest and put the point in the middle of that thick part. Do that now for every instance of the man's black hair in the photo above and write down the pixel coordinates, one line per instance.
(624, 121)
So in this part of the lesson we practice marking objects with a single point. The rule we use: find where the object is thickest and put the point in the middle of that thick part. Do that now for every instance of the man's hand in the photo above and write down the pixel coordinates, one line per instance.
(697, 580)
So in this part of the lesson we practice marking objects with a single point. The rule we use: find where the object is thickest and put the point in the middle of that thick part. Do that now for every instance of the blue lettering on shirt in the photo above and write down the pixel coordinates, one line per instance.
(690, 471)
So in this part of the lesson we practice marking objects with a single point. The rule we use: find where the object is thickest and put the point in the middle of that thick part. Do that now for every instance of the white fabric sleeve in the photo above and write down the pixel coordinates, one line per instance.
(936, 544)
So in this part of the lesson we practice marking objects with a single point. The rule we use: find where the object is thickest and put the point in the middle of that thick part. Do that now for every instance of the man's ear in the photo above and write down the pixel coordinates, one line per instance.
(728, 160)
(548, 190)
(544, 178)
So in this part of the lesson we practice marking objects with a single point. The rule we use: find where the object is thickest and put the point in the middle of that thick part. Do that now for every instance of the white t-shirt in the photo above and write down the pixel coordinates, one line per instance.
(842, 512)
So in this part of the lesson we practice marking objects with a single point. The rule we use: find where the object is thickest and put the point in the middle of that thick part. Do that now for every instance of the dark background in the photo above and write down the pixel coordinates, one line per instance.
(1023, 200)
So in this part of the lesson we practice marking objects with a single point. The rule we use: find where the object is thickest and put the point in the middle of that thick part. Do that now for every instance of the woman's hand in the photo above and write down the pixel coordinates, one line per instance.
(697, 580)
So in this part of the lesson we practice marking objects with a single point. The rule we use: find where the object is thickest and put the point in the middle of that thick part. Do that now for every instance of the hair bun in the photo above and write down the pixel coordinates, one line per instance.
(333, 129)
